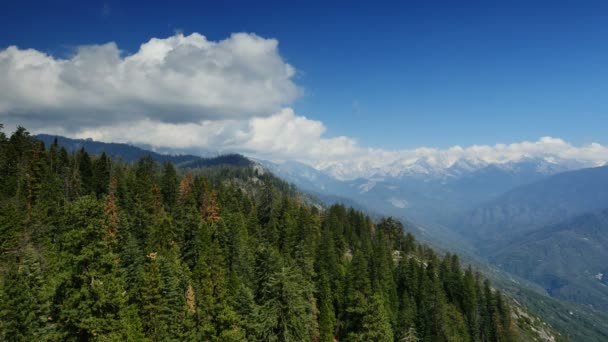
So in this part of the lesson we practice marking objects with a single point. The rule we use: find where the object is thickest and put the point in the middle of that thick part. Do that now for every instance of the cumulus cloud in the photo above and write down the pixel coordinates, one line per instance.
(281, 136)
(188, 93)
(180, 79)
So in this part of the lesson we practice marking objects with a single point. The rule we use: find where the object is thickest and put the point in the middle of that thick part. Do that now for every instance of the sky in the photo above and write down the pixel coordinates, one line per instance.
(312, 81)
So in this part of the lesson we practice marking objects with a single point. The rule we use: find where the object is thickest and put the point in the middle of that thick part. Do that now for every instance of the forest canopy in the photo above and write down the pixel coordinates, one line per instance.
(92, 248)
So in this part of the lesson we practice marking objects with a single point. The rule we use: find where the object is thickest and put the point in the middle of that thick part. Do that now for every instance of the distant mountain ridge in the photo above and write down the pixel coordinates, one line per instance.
(130, 153)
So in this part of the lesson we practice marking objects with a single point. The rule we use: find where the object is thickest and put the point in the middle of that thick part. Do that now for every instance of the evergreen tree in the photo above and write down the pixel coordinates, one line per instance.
(285, 309)
(376, 322)
(85, 172)
(152, 300)
(23, 303)
(358, 290)
(91, 292)
(101, 175)
(169, 185)
(469, 304)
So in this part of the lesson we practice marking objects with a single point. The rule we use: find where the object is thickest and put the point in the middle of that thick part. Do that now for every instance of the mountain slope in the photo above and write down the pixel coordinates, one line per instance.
(530, 207)
(568, 259)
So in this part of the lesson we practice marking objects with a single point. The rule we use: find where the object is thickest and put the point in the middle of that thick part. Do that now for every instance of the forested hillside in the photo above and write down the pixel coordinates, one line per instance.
(94, 249)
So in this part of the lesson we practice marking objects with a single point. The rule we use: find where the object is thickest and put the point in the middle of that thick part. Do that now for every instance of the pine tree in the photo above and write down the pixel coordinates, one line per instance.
(327, 316)
(169, 185)
(152, 300)
(23, 303)
(174, 312)
(85, 172)
(33, 178)
(16, 307)
(488, 309)
(358, 290)
(11, 225)
(266, 206)
(285, 311)
(469, 304)
(162, 233)
(101, 174)
(376, 324)
(432, 305)
(91, 292)
(14, 159)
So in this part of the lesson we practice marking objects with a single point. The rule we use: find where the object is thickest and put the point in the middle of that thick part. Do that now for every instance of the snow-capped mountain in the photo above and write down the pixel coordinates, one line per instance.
(428, 189)
(429, 167)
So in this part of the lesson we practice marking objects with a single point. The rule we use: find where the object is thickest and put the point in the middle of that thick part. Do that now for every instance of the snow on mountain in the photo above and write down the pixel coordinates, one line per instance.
(425, 168)
(434, 167)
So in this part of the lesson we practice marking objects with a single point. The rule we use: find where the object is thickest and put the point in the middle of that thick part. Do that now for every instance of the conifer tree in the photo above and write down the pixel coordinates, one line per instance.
(85, 172)
(469, 304)
(23, 301)
(376, 325)
(169, 184)
(152, 300)
(101, 174)
(285, 310)
(91, 292)
(358, 290)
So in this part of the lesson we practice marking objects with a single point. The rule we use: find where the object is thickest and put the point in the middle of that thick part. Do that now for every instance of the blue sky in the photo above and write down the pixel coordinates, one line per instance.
(392, 75)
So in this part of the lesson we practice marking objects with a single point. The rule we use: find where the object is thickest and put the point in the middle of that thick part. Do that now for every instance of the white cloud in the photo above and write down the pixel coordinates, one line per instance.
(287, 136)
(370, 162)
(281, 136)
(191, 94)
(180, 79)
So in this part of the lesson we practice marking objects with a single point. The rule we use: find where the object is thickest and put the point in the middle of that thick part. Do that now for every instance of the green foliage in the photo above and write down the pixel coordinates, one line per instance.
(285, 312)
(94, 249)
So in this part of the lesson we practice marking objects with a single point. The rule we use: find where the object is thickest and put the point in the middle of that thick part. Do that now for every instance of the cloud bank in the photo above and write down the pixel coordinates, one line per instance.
(191, 94)
(286, 136)
(175, 80)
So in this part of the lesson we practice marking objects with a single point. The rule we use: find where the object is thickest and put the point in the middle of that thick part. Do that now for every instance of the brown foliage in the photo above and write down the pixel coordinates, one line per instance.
(185, 186)
(111, 210)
